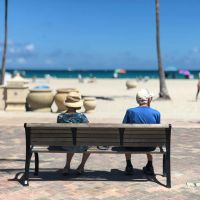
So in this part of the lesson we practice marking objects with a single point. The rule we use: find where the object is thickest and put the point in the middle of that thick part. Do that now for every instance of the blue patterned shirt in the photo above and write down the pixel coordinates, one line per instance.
(72, 118)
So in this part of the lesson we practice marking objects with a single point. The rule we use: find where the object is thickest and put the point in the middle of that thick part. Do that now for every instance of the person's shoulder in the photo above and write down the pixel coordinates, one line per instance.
(61, 115)
(65, 114)
(155, 111)
(82, 115)
(132, 109)
(137, 109)
(129, 110)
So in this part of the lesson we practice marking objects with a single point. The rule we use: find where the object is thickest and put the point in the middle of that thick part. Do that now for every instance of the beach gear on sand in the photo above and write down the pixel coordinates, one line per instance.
(41, 87)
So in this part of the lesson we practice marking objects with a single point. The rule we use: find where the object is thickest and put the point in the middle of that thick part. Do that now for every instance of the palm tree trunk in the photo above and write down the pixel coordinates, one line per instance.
(163, 87)
(3, 66)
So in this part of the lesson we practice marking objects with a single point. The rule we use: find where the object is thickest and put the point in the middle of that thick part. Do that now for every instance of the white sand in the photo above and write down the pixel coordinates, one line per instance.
(181, 111)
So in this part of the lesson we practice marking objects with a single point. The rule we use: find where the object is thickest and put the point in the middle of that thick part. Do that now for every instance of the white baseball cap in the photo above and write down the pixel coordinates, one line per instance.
(143, 96)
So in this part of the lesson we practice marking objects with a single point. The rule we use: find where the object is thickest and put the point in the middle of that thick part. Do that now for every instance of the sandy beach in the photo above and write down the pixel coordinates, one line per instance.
(113, 98)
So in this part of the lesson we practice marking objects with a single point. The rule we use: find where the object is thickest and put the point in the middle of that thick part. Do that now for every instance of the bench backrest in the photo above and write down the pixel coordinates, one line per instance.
(57, 134)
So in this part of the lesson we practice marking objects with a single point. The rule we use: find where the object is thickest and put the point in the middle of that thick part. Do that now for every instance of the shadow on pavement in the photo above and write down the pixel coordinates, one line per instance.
(88, 175)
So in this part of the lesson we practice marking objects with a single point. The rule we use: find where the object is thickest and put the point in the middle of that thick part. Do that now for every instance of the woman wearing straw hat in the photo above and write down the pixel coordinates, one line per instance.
(73, 102)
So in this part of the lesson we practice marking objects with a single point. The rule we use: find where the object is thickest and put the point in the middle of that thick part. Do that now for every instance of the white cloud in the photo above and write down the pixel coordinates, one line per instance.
(29, 47)
(21, 60)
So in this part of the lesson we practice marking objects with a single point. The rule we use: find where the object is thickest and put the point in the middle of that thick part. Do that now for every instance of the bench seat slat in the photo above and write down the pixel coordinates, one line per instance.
(97, 140)
(117, 134)
(94, 131)
(92, 149)
(67, 136)
(142, 144)
(97, 136)
(137, 144)
(149, 140)
(144, 136)
(64, 125)
(45, 135)
(145, 132)
(65, 143)
(97, 130)
(52, 139)
(107, 140)
(50, 131)
(52, 143)
(144, 140)
(92, 143)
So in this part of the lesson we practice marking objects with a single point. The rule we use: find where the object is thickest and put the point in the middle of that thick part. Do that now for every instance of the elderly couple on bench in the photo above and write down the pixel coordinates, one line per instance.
(143, 114)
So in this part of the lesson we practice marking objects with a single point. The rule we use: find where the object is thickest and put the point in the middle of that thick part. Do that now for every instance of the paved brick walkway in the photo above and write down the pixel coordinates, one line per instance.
(104, 178)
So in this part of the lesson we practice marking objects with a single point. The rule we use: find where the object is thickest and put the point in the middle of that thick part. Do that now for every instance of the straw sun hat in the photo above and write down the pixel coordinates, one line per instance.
(73, 100)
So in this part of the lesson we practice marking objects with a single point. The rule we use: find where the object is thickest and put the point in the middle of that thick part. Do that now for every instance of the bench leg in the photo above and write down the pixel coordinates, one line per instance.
(27, 166)
(168, 170)
(36, 164)
(164, 165)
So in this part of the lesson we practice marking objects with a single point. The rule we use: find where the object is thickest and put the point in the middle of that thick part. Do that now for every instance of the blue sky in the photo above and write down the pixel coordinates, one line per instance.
(100, 34)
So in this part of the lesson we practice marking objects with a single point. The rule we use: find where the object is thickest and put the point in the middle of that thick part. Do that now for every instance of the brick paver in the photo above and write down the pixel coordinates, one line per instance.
(104, 178)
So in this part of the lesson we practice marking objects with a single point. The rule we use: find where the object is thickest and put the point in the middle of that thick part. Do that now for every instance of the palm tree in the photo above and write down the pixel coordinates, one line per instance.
(3, 66)
(163, 87)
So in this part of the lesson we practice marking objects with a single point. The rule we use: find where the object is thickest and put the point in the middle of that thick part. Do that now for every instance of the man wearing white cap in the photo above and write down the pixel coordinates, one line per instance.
(142, 114)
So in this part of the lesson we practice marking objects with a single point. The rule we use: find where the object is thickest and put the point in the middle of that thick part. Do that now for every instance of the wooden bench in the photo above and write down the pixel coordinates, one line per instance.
(40, 136)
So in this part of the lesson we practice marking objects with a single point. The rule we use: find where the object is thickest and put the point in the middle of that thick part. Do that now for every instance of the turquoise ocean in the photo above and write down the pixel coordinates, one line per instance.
(98, 74)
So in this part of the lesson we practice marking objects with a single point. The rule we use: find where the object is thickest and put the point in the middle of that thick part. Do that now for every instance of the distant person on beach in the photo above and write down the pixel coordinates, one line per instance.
(143, 114)
(34, 79)
(80, 78)
(73, 102)
(198, 86)
(115, 75)
(92, 78)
